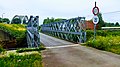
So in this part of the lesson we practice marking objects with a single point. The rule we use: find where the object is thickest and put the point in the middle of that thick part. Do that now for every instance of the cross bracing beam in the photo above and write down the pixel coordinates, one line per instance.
(21, 19)
(72, 29)
(33, 36)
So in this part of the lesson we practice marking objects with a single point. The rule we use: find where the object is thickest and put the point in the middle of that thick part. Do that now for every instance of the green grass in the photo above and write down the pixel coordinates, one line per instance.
(41, 47)
(90, 33)
(29, 49)
(23, 57)
(16, 30)
(108, 43)
(32, 60)
(1, 49)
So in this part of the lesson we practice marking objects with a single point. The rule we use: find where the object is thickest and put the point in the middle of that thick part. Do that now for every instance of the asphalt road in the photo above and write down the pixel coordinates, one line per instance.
(61, 53)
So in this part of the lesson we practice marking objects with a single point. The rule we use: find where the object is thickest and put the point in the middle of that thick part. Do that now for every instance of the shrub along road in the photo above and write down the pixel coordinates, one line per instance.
(65, 54)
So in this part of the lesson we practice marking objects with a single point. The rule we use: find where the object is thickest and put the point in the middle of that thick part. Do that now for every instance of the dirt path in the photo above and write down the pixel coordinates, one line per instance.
(76, 56)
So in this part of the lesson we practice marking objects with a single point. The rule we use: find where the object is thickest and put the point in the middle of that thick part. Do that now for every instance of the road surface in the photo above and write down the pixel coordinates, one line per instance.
(61, 53)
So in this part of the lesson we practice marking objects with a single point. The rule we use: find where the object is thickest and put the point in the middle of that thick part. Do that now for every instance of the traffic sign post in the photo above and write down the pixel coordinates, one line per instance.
(95, 21)
(95, 10)
(95, 18)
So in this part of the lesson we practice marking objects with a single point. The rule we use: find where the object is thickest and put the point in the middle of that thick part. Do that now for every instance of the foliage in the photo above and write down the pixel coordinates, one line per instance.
(109, 24)
(41, 47)
(16, 21)
(101, 23)
(32, 60)
(29, 49)
(117, 24)
(6, 20)
(90, 33)
(15, 30)
(109, 43)
(0, 20)
(48, 20)
(1, 49)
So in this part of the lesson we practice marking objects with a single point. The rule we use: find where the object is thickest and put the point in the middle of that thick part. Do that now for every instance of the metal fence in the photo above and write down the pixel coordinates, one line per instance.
(72, 29)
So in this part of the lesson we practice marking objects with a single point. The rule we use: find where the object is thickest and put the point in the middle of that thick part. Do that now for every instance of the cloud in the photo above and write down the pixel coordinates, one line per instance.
(57, 8)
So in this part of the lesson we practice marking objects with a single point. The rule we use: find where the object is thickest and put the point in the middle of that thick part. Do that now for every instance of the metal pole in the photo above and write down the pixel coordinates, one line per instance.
(2, 17)
(94, 31)
(95, 3)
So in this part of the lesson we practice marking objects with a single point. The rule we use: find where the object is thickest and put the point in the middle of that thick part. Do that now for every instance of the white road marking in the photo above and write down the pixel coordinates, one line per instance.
(63, 46)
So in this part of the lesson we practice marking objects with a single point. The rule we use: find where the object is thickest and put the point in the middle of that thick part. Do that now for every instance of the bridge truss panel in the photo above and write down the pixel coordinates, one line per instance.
(72, 29)
(23, 19)
(33, 35)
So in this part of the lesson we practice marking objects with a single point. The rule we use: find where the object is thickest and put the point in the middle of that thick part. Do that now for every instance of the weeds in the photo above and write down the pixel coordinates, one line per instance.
(32, 60)
(109, 43)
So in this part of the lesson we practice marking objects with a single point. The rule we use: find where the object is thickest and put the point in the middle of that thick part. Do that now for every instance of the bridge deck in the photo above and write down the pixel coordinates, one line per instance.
(75, 56)
(49, 41)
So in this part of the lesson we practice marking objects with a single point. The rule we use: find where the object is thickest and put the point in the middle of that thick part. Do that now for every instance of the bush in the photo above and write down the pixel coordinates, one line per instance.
(32, 60)
(17, 31)
(108, 43)
(1, 49)
(90, 33)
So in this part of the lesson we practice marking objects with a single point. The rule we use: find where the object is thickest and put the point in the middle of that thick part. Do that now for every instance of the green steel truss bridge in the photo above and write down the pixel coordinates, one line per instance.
(72, 29)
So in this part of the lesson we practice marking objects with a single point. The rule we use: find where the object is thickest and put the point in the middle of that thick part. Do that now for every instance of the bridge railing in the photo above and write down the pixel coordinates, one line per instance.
(72, 29)
(33, 36)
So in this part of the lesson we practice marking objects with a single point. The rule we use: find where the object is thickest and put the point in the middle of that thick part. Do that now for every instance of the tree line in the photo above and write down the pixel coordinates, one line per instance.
(101, 22)
(4, 20)
(50, 20)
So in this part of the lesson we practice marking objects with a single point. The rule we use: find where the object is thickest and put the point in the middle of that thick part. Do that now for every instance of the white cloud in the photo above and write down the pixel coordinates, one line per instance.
(57, 8)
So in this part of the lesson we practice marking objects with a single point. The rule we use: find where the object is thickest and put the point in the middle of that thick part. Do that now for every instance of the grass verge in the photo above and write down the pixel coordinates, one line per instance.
(41, 47)
(24, 57)
(32, 60)
(108, 43)
(29, 49)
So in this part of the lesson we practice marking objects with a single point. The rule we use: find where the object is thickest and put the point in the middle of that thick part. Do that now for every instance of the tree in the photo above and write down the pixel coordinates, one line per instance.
(46, 21)
(16, 21)
(6, 20)
(101, 22)
(109, 24)
(0, 20)
(59, 19)
(52, 20)
(117, 24)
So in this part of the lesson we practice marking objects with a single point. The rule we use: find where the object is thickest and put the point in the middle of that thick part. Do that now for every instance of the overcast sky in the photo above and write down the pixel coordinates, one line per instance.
(60, 8)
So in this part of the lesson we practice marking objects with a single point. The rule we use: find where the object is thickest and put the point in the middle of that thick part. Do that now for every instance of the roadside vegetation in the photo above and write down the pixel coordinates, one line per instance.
(105, 40)
(27, 60)
(16, 31)
(22, 57)
(20, 50)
